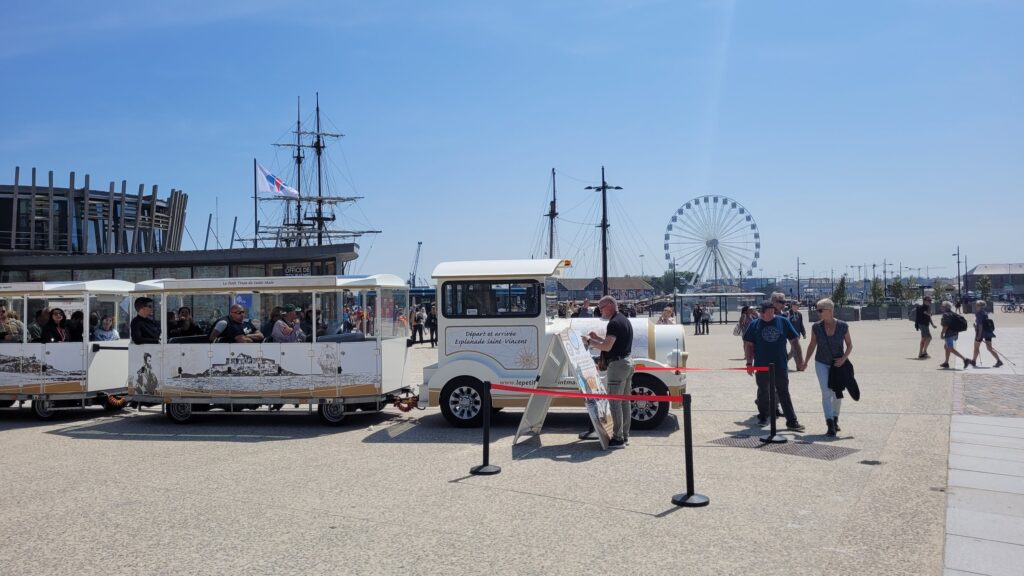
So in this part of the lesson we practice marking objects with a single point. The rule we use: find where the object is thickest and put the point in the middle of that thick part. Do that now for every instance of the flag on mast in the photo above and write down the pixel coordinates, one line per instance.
(270, 184)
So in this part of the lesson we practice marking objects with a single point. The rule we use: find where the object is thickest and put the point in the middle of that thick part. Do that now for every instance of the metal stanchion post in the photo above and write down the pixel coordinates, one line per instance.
(772, 437)
(690, 499)
(486, 468)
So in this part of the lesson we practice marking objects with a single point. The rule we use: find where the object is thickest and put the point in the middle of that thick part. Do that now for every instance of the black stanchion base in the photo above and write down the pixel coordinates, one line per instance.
(690, 500)
(484, 470)
(775, 439)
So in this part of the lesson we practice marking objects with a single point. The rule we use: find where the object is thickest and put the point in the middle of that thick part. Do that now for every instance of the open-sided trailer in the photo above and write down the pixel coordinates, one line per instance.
(70, 374)
(352, 358)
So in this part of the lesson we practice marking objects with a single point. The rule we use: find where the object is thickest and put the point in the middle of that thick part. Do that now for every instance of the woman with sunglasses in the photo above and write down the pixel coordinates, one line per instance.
(56, 329)
(831, 338)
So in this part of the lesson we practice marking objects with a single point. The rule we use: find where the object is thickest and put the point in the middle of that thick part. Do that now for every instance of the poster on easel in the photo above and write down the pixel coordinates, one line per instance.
(568, 353)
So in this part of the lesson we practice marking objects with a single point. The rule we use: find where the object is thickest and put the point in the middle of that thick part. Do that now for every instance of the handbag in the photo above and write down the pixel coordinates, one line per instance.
(736, 331)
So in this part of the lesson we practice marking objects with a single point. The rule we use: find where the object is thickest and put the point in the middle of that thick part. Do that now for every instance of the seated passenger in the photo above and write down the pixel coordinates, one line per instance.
(106, 331)
(186, 325)
(287, 328)
(275, 315)
(76, 326)
(11, 329)
(144, 329)
(235, 328)
(35, 329)
(56, 330)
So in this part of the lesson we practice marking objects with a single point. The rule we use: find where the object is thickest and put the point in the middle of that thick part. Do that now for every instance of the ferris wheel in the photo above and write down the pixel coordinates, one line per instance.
(715, 238)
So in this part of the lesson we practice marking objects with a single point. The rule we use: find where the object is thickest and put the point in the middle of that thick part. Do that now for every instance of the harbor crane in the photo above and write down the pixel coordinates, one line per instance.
(415, 265)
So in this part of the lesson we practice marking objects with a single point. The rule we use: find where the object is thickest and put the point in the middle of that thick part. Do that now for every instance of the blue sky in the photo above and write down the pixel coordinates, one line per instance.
(852, 131)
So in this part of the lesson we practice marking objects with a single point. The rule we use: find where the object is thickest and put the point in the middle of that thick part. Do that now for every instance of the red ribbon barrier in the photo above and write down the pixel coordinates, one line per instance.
(657, 368)
(582, 395)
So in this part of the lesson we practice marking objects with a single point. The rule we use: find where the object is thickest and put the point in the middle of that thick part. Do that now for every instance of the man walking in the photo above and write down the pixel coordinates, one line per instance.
(616, 347)
(923, 322)
(764, 343)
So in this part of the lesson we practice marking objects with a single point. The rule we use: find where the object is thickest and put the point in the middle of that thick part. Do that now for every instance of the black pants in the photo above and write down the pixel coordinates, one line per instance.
(417, 329)
(433, 334)
(764, 409)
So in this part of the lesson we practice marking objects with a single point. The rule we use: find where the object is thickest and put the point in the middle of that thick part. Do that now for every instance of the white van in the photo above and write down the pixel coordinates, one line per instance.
(496, 319)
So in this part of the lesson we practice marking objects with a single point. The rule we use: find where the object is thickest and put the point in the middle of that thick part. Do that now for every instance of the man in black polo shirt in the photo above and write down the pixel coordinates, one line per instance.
(234, 328)
(615, 348)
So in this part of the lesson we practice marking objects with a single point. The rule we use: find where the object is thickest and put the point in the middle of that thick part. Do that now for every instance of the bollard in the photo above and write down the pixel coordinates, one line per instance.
(486, 468)
(772, 437)
(690, 499)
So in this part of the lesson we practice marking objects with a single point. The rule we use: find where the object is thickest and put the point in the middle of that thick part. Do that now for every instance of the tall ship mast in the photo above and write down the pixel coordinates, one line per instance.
(308, 218)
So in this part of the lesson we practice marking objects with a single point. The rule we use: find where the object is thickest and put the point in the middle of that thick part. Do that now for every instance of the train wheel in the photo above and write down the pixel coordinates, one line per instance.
(179, 412)
(648, 415)
(462, 402)
(331, 413)
(42, 408)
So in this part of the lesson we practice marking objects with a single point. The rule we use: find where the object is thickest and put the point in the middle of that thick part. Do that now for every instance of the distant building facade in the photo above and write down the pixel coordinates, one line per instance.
(1007, 279)
(626, 288)
(72, 233)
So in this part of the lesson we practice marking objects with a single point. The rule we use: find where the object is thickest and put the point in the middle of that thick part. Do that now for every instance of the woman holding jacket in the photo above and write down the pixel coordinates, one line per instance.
(830, 346)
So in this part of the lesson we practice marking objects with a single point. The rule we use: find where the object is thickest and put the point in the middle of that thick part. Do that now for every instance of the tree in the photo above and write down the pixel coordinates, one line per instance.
(877, 293)
(839, 293)
(985, 288)
(897, 289)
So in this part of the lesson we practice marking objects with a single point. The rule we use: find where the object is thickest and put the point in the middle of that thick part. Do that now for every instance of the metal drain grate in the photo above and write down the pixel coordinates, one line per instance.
(794, 448)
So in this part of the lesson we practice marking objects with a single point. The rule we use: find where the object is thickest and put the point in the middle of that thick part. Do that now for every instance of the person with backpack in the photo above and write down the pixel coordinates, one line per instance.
(984, 329)
(952, 325)
(923, 322)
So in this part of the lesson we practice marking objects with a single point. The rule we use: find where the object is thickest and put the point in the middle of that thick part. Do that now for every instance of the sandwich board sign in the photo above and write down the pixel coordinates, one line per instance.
(567, 349)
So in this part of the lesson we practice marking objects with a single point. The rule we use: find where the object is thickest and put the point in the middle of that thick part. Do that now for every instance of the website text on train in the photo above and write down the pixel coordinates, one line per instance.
(496, 321)
(338, 343)
(60, 346)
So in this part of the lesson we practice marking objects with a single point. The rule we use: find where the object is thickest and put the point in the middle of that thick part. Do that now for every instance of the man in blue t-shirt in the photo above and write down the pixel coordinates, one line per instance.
(764, 343)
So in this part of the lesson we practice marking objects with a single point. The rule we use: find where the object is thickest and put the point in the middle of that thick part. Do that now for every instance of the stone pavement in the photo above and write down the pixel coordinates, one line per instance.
(390, 493)
(985, 509)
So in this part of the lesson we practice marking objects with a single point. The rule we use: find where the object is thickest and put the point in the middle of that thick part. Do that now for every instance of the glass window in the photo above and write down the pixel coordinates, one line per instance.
(101, 274)
(393, 323)
(49, 275)
(133, 274)
(210, 272)
(248, 271)
(179, 272)
(12, 327)
(492, 299)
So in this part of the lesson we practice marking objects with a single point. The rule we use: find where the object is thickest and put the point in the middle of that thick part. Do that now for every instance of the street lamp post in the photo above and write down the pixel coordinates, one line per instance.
(641, 265)
(959, 294)
(799, 295)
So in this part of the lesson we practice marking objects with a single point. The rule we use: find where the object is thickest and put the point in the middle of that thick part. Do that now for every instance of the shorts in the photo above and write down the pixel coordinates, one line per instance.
(986, 336)
(950, 341)
(925, 331)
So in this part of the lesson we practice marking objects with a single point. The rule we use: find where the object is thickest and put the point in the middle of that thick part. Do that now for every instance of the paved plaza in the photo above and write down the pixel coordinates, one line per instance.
(926, 478)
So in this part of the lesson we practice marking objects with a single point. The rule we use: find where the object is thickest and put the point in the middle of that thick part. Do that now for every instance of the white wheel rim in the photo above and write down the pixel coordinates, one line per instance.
(465, 402)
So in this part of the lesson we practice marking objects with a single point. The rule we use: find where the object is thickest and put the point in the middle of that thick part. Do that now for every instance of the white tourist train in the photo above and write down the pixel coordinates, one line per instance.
(341, 345)
(57, 362)
(496, 322)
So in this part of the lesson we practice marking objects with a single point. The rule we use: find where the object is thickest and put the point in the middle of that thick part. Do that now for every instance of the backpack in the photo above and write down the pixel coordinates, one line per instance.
(989, 325)
(957, 323)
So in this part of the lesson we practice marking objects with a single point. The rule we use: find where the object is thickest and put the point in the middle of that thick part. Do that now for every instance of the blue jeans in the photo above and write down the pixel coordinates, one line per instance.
(829, 403)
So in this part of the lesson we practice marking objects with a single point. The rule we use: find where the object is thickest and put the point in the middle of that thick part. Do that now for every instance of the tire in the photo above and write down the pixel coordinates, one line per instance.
(179, 412)
(648, 415)
(6, 403)
(462, 401)
(42, 409)
(331, 413)
(113, 402)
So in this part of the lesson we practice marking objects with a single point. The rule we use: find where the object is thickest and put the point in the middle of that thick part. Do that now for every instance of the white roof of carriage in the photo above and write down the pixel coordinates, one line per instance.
(497, 268)
(273, 283)
(92, 286)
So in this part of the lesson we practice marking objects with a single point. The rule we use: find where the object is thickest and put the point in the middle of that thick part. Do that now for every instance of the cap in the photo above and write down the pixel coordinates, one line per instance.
(766, 305)
(290, 308)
